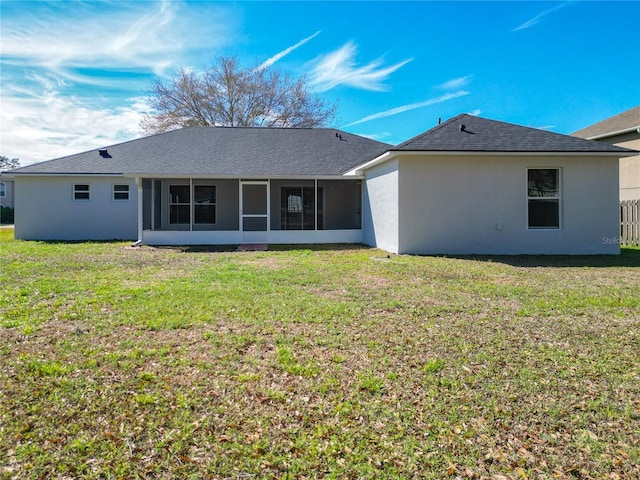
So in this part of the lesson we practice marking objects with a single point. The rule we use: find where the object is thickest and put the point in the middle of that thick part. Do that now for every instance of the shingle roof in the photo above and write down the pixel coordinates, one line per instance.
(231, 151)
(628, 119)
(484, 135)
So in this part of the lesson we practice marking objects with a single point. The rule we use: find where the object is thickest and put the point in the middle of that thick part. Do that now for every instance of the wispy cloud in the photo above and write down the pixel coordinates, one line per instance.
(270, 61)
(455, 83)
(411, 106)
(144, 36)
(73, 73)
(533, 21)
(340, 68)
(43, 125)
(380, 137)
(475, 112)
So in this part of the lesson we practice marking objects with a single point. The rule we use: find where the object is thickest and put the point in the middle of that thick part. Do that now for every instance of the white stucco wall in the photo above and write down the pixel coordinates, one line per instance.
(46, 210)
(478, 205)
(380, 207)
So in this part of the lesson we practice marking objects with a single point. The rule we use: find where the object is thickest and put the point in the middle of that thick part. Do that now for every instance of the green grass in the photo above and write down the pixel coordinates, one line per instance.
(315, 362)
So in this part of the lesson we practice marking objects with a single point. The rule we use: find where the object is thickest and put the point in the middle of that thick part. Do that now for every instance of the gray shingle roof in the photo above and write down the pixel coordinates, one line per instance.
(620, 122)
(225, 151)
(484, 135)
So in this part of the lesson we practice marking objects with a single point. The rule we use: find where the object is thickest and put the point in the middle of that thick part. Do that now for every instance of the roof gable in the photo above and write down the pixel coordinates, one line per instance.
(225, 151)
(627, 120)
(468, 133)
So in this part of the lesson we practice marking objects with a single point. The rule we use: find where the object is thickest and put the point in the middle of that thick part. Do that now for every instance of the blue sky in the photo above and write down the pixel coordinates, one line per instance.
(74, 75)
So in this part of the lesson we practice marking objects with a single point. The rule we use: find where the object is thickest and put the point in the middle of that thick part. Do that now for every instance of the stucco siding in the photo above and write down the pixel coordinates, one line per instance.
(46, 209)
(380, 207)
(478, 205)
(629, 166)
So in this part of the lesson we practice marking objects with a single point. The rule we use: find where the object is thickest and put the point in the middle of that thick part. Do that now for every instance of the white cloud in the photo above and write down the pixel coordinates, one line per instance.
(411, 106)
(339, 68)
(475, 112)
(533, 21)
(455, 83)
(270, 61)
(42, 126)
(143, 36)
(380, 137)
(72, 72)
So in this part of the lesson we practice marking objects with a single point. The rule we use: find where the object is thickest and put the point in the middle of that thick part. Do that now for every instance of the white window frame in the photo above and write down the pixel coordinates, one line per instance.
(557, 197)
(114, 192)
(171, 203)
(214, 204)
(76, 192)
(3, 189)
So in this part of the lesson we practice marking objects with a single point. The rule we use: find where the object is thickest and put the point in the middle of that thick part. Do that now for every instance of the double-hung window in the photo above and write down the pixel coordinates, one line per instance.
(121, 192)
(204, 206)
(179, 204)
(2, 189)
(543, 198)
(81, 191)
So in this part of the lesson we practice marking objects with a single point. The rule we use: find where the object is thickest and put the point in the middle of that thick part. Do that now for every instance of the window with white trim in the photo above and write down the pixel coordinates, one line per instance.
(121, 192)
(204, 204)
(3, 191)
(81, 191)
(543, 198)
(179, 204)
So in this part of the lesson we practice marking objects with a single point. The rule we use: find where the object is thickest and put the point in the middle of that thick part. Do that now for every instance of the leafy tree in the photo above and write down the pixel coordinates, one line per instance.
(228, 94)
(8, 164)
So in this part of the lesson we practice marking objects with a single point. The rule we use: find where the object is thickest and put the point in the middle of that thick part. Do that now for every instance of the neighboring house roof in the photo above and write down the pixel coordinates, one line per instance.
(227, 151)
(622, 123)
(467, 133)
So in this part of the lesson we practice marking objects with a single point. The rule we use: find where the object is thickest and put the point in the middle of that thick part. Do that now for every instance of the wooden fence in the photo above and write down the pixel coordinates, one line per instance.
(630, 222)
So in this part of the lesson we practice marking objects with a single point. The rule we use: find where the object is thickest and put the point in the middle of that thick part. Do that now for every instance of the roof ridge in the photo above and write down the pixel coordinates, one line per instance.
(487, 135)
(431, 130)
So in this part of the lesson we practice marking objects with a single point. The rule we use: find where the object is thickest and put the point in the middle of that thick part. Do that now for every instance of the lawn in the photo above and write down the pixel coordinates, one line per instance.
(306, 362)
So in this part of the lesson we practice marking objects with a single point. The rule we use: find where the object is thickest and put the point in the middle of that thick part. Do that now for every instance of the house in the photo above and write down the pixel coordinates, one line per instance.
(467, 186)
(622, 130)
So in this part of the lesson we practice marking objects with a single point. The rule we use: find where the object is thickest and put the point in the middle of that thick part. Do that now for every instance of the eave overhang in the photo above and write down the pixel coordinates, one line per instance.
(615, 134)
(391, 154)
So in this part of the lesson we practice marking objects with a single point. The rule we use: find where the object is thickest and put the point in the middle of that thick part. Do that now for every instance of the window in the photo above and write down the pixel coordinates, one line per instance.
(81, 192)
(179, 204)
(543, 198)
(121, 192)
(2, 189)
(204, 208)
(298, 208)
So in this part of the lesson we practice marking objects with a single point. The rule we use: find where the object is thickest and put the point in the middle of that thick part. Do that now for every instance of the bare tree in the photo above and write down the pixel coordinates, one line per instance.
(228, 94)
(7, 163)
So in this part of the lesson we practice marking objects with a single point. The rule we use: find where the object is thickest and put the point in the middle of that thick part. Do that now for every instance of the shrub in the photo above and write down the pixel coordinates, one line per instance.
(6, 215)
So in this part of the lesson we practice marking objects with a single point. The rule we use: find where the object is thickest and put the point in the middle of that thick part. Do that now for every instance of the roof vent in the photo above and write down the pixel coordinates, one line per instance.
(103, 153)
(339, 135)
(462, 128)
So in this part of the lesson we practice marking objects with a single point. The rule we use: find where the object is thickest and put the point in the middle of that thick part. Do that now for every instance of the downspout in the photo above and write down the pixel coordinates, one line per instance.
(140, 212)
